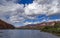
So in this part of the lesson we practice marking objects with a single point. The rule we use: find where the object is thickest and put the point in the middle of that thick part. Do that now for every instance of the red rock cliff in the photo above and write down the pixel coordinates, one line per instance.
(4, 25)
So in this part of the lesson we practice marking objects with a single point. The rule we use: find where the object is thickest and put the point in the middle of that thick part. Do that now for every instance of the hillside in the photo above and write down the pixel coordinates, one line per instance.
(38, 26)
(51, 27)
(4, 25)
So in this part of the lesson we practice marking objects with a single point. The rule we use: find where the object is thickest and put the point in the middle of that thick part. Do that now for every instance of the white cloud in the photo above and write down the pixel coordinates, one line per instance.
(19, 13)
(34, 8)
(16, 19)
(26, 23)
(42, 7)
(11, 9)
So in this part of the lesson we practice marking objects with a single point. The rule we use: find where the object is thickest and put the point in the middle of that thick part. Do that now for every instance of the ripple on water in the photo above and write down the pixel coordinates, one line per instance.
(25, 34)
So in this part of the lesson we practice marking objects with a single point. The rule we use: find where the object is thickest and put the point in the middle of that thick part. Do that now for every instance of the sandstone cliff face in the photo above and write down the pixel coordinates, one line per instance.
(41, 24)
(4, 25)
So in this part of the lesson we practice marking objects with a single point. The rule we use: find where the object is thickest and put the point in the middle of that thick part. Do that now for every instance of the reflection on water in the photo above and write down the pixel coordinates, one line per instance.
(25, 34)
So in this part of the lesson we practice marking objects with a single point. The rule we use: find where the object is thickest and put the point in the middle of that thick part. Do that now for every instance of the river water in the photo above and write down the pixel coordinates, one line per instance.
(25, 34)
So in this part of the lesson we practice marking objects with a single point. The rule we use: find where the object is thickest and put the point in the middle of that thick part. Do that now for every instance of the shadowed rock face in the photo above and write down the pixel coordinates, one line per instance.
(4, 25)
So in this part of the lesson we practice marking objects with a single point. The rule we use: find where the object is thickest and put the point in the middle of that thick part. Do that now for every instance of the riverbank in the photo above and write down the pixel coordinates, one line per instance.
(54, 30)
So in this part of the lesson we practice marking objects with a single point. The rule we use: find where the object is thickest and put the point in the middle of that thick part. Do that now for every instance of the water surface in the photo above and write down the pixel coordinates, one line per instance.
(25, 34)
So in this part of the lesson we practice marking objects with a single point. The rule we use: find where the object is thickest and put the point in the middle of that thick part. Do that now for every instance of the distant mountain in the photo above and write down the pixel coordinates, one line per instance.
(40, 25)
(4, 25)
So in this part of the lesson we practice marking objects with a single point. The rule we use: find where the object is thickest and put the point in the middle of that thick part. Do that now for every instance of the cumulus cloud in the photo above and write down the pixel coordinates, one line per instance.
(18, 13)
(11, 9)
(42, 7)
(34, 9)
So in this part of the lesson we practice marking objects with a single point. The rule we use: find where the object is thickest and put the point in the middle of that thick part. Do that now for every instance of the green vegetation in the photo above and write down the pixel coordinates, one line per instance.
(52, 29)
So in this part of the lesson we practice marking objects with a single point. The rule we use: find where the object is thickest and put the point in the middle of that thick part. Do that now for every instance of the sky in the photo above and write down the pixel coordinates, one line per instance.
(23, 12)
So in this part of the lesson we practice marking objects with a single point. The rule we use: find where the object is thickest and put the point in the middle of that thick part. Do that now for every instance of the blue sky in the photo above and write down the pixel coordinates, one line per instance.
(25, 1)
(23, 12)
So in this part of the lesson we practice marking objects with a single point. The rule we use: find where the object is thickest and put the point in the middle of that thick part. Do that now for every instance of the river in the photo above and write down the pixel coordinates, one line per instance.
(25, 34)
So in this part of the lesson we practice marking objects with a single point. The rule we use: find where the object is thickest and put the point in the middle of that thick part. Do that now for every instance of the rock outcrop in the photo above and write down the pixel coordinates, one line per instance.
(4, 25)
